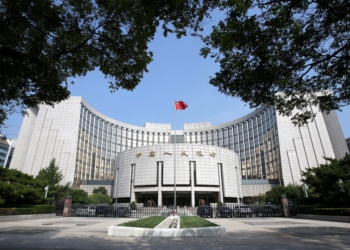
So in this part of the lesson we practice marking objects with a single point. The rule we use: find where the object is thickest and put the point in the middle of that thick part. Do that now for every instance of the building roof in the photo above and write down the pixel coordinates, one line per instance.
(4, 142)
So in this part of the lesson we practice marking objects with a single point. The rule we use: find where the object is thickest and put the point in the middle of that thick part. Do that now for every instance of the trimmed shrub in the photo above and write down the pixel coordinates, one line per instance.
(36, 209)
(333, 211)
(317, 210)
(306, 209)
(310, 201)
(43, 209)
(7, 211)
(48, 201)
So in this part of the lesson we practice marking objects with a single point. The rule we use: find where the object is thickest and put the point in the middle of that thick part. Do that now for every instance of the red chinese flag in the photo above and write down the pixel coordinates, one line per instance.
(180, 105)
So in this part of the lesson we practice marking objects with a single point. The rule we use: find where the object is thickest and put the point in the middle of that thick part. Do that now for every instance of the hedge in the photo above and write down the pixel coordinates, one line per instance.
(303, 209)
(310, 201)
(36, 209)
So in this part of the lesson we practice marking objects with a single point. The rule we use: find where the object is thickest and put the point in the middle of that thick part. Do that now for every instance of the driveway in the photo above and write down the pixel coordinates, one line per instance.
(246, 233)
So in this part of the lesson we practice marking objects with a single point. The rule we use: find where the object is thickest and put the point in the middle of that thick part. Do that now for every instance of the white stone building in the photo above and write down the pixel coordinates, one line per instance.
(252, 154)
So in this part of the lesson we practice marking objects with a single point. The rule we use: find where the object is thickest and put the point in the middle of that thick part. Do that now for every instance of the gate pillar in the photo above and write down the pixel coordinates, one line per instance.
(285, 206)
(67, 206)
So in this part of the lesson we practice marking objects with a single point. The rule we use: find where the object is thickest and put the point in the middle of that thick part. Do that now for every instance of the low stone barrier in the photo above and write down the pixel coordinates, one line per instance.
(324, 217)
(164, 229)
(120, 231)
(7, 218)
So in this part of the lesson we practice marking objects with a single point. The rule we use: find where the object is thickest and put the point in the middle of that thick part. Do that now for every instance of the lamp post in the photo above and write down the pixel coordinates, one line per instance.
(305, 190)
(46, 189)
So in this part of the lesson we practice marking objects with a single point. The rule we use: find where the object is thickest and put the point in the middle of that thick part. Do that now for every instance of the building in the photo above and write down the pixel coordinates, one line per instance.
(227, 162)
(4, 146)
(348, 143)
(6, 151)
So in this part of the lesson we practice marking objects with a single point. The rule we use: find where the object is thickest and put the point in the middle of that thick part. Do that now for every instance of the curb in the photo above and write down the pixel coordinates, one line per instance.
(333, 218)
(7, 218)
(120, 231)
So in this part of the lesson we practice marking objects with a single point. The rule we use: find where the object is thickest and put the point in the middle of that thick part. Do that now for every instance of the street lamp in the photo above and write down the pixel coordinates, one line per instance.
(46, 189)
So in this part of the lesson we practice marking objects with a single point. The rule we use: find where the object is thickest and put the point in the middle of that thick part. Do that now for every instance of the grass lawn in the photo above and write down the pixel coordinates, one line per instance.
(194, 221)
(149, 222)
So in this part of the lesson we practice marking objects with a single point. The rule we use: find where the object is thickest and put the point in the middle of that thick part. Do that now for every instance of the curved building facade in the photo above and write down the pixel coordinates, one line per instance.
(199, 171)
(89, 146)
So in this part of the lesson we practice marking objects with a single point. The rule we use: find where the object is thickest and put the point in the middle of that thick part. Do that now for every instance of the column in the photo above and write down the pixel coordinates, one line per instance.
(192, 163)
(160, 165)
(132, 193)
(221, 193)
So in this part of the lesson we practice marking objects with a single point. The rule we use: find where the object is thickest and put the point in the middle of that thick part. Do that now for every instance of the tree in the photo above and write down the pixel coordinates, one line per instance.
(45, 42)
(79, 196)
(61, 191)
(275, 194)
(100, 190)
(330, 182)
(292, 192)
(299, 48)
(219, 205)
(17, 188)
(51, 177)
(133, 205)
(98, 198)
(258, 199)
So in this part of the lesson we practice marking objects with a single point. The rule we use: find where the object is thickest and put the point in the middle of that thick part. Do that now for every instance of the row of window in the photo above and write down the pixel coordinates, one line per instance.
(254, 140)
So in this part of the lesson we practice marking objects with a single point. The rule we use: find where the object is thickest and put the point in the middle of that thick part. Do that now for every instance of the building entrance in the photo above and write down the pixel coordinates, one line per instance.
(208, 197)
(182, 199)
(148, 199)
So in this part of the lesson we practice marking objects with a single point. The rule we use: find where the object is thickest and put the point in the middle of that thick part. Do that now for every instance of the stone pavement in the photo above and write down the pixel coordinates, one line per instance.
(246, 233)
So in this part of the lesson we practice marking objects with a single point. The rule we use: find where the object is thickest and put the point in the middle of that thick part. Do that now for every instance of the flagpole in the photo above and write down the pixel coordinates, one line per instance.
(181, 106)
(174, 156)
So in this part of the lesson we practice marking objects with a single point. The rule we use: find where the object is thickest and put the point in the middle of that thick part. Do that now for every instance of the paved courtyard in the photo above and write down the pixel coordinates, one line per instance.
(246, 233)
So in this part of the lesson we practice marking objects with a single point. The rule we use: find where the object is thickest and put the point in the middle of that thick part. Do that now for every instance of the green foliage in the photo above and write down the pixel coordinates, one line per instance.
(264, 48)
(51, 177)
(258, 199)
(330, 182)
(275, 194)
(292, 192)
(333, 211)
(44, 43)
(195, 221)
(16, 211)
(323, 211)
(98, 198)
(61, 191)
(219, 204)
(48, 201)
(37, 209)
(298, 48)
(17, 188)
(133, 205)
(43, 209)
(306, 209)
(310, 201)
(149, 222)
(79, 196)
(100, 190)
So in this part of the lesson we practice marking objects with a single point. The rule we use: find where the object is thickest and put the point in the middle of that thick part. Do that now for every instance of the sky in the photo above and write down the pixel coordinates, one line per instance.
(177, 73)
